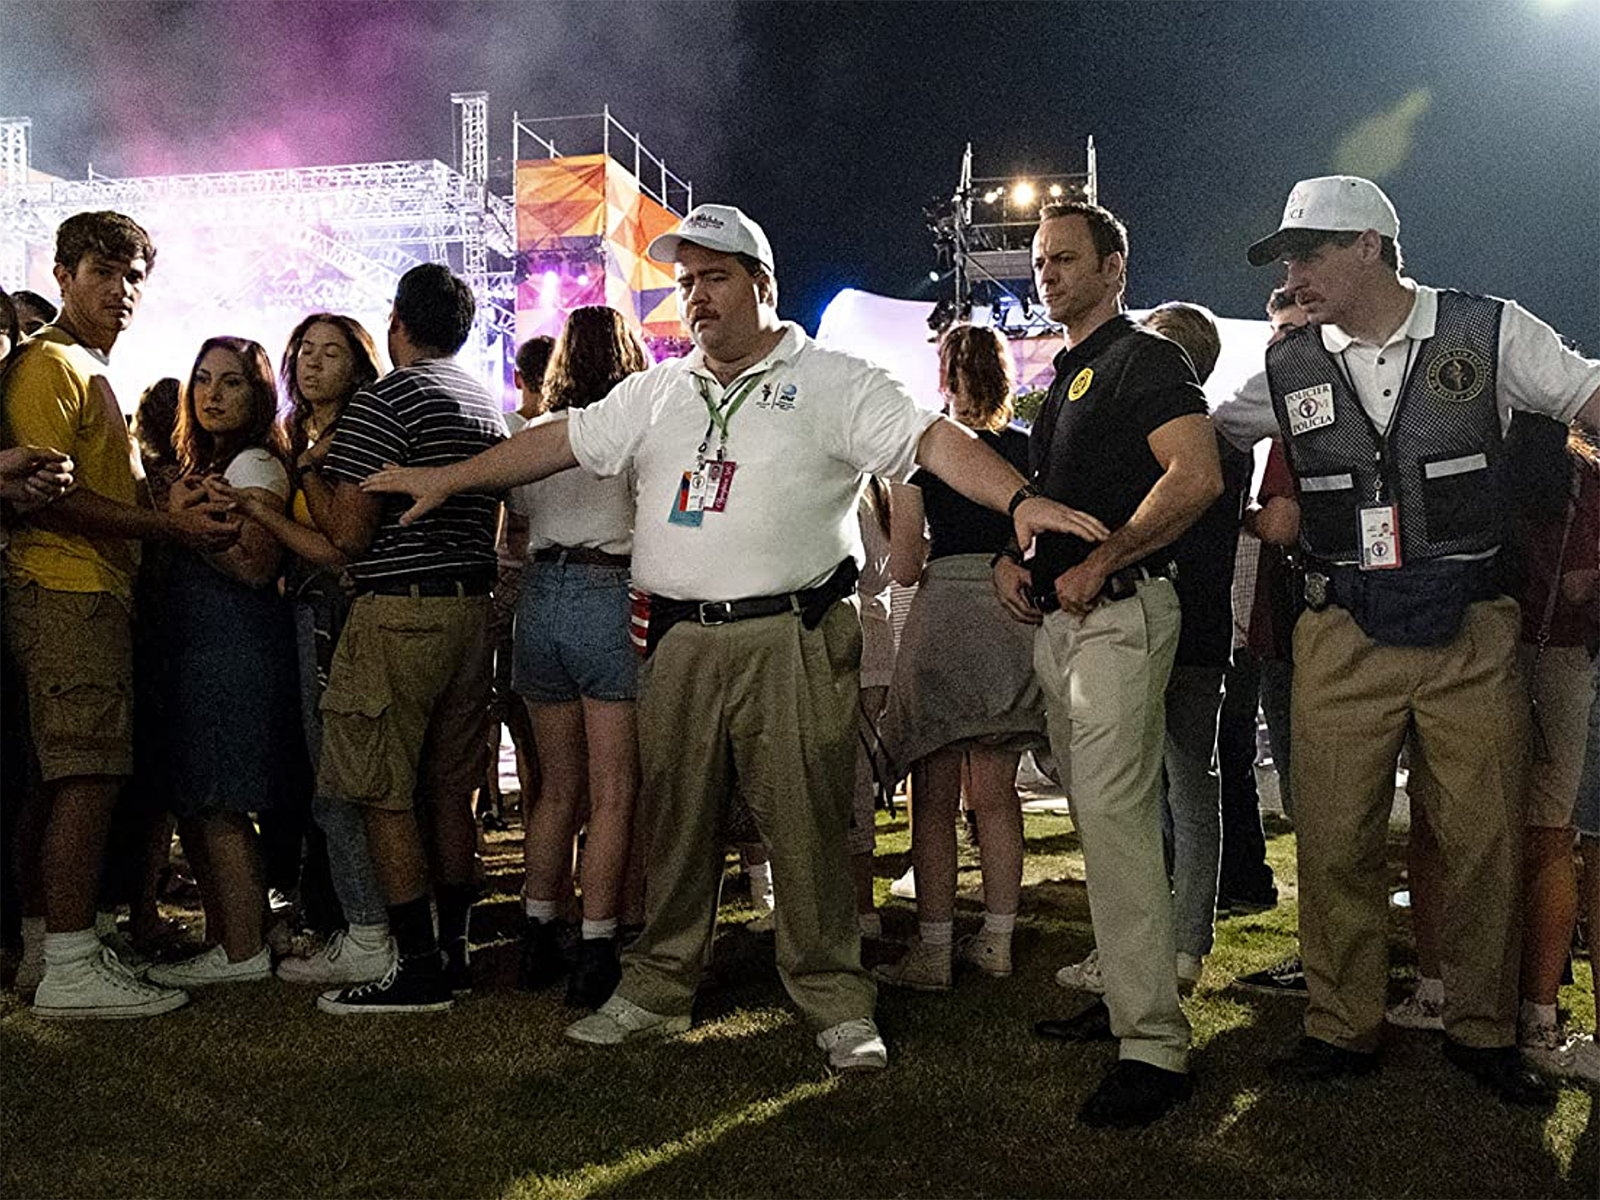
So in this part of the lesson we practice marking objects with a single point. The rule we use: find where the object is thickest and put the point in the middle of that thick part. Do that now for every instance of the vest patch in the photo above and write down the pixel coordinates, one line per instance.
(1457, 376)
(1309, 408)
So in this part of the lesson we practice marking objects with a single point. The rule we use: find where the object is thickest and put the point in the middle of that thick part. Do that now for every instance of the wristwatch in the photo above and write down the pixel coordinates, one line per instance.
(1026, 492)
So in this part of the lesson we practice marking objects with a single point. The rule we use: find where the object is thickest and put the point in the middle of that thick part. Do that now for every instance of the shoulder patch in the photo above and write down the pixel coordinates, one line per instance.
(1456, 375)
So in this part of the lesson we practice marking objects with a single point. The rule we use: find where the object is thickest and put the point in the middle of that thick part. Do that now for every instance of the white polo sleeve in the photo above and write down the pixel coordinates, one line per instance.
(605, 435)
(1248, 417)
(1537, 372)
(883, 425)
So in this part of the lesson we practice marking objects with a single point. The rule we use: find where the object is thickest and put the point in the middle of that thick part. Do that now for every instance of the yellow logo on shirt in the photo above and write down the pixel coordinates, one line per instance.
(1080, 383)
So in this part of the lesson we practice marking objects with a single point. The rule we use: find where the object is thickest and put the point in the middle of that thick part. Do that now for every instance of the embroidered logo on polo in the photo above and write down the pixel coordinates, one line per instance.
(1457, 375)
(782, 397)
(1080, 383)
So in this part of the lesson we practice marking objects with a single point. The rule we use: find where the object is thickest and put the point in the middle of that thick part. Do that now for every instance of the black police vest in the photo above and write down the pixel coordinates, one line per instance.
(1440, 461)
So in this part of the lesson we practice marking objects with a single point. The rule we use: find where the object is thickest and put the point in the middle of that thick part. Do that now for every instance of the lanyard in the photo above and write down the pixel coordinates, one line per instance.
(721, 413)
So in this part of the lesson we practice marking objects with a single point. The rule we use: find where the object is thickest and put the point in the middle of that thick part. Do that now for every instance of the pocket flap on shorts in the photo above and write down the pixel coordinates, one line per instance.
(353, 704)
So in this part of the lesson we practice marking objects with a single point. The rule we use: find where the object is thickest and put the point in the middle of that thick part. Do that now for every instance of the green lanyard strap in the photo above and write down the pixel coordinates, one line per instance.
(722, 414)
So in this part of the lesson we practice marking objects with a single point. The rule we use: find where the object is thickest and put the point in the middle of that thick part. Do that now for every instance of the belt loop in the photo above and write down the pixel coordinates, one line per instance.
(794, 603)
(415, 591)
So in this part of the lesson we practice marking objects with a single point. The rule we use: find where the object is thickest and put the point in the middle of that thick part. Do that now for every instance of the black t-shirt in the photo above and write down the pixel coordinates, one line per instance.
(955, 524)
(1090, 447)
(1205, 556)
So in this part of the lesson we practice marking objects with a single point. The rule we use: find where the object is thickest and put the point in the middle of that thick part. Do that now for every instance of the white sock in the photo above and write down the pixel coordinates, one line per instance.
(994, 922)
(369, 937)
(62, 949)
(539, 910)
(936, 933)
(1430, 991)
(605, 928)
(33, 938)
(1537, 1014)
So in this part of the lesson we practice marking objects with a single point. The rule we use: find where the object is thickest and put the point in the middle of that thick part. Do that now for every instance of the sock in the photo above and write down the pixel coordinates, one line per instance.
(870, 924)
(936, 933)
(62, 949)
(1430, 991)
(1534, 1015)
(605, 928)
(994, 922)
(543, 911)
(412, 923)
(455, 911)
(368, 937)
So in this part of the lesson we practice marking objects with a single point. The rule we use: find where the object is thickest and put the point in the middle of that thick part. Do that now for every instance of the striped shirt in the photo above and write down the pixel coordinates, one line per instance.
(430, 414)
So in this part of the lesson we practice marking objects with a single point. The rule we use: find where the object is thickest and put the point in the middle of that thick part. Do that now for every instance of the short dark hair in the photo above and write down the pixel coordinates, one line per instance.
(1110, 234)
(435, 306)
(35, 305)
(109, 234)
(1297, 243)
(533, 356)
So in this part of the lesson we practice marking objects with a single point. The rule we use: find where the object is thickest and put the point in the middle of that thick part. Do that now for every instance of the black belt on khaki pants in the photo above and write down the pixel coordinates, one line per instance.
(809, 604)
(583, 556)
(477, 586)
(1119, 585)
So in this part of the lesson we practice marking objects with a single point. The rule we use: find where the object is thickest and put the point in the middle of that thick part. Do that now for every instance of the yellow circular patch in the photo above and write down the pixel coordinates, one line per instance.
(1080, 383)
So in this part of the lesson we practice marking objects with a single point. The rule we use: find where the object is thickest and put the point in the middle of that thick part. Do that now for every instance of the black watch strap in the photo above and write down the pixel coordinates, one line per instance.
(1026, 492)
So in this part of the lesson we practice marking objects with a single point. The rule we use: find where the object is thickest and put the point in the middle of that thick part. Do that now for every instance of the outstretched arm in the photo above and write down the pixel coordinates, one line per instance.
(522, 458)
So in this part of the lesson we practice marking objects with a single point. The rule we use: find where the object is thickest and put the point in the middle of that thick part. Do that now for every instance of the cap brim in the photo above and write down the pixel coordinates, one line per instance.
(664, 248)
(1269, 249)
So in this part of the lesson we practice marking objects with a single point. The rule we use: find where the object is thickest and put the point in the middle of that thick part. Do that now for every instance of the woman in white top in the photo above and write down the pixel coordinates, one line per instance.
(232, 737)
(575, 665)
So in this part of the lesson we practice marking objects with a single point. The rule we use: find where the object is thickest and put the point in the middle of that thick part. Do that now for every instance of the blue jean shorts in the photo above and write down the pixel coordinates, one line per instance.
(572, 635)
(1586, 815)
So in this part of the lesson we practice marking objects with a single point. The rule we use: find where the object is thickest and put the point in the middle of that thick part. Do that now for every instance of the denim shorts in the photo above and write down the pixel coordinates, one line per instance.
(572, 635)
(1586, 816)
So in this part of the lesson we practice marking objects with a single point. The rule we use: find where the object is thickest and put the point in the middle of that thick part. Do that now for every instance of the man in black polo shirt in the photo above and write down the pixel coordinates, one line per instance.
(407, 699)
(1123, 435)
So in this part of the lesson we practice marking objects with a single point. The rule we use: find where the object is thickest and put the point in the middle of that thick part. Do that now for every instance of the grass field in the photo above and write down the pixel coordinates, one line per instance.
(250, 1092)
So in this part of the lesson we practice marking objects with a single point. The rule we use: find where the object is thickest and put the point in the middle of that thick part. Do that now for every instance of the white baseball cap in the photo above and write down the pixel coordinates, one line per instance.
(716, 227)
(1331, 204)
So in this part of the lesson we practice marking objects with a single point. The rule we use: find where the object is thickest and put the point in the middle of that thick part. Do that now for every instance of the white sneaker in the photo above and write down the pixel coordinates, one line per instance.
(341, 961)
(212, 966)
(1583, 1058)
(621, 1020)
(1544, 1047)
(988, 952)
(30, 971)
(100, 988)
(854, 1046)
(1084, 976)
(1416, 1013)
(906, 886)
(922, 968)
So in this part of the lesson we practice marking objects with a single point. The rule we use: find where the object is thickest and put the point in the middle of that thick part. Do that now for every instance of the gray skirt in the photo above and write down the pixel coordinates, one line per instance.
(964, 673)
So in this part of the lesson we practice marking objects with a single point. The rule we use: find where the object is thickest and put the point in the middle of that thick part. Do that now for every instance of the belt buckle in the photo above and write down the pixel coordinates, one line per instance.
(1316, 591)
(714, 612)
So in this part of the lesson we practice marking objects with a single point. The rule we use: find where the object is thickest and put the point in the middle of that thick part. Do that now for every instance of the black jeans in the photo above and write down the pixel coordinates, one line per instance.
(1244, 870)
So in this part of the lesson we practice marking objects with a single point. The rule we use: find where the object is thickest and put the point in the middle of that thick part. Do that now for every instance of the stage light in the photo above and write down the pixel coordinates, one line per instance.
(1055, 190)
(550, 289)
(933, 277)
(1023, 194)
(583, 279)
(992, 195)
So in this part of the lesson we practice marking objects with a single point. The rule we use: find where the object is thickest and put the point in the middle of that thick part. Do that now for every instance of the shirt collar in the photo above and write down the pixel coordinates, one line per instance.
(1106, 333)
(1418, 325)
(787, 349)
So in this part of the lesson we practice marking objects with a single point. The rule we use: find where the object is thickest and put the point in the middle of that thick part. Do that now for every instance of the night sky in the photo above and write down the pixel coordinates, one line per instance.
(834, 124)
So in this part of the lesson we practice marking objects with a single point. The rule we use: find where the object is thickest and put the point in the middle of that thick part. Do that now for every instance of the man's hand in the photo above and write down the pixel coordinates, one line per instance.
(1277, 522)
(233, 500)
(423, 484)
(1079, 587)
(32, 475)
(206, 527)
(1037, 515)
(1012, 584)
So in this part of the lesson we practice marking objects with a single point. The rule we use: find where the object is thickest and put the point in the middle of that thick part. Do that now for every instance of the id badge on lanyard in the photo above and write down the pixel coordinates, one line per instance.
(705, 487)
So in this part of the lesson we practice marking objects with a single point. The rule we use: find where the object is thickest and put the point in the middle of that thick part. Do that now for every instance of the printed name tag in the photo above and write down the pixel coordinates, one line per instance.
(1380, 538)
(1309, 408)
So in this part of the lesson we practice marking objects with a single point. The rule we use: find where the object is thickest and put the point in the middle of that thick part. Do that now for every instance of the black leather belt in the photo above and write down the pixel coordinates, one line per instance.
(809, 604)
(582, 556)
(1119, 585)
(426, 587)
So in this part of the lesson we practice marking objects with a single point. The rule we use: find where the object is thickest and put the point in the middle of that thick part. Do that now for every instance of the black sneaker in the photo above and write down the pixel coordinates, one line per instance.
(413, 985)
(1502, 1071)
(542, 961)
(595, 975)
(1315, 1061)
(457, 961)
(1134, 1094)
(1287, 978)
(1242, 903)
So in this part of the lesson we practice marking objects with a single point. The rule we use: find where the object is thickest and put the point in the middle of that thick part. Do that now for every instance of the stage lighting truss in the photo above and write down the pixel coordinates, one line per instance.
(983, 242)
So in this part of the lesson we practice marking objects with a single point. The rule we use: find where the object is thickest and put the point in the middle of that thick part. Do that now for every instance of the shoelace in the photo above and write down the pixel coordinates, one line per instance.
(119, 975)
(335, 946)
(361, 991)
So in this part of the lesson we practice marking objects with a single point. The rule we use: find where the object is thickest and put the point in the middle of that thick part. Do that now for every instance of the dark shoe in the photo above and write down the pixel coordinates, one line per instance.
(1315, 1061)
(1502, 1071)
(457, 960)
(1238, 904)
(413, 985)
(1287, 978)
(541, 963)
(1134, 1094)
(1093, 1024)
(595, 975)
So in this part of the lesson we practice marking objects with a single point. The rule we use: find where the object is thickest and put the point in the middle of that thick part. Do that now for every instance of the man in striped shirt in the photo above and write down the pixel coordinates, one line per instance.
(407, 698)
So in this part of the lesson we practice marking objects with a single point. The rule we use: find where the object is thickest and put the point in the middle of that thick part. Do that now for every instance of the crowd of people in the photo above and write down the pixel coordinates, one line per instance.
(287, 613)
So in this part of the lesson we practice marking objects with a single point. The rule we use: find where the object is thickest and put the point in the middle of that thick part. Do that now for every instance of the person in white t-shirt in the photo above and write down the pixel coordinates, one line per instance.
(750, 456)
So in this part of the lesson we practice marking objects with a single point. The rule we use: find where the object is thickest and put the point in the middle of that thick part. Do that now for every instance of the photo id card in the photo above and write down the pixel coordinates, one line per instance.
(719, 480)
(1380, 538)
(688, 506)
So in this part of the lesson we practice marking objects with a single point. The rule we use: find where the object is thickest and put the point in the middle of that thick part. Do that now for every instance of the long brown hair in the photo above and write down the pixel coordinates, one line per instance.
(363, 363)
(197, 449)
(976, 363)
(595, 352)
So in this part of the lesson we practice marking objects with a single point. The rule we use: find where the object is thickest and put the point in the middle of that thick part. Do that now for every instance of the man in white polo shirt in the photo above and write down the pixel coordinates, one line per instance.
(750, 456)
(1391, 405)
